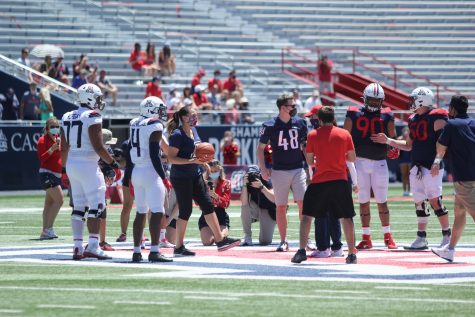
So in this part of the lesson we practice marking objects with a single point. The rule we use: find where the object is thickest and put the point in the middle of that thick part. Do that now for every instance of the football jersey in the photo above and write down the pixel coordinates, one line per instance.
(423, 136)
(365, 124)
(76, 125)
(140, 130)
(286, 140)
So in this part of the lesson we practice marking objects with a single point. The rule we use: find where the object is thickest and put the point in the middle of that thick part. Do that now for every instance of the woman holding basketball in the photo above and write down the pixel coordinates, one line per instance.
(187, 179)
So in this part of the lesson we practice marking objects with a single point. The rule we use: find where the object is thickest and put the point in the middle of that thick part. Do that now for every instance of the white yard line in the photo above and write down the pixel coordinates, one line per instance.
(409, 288)
(130, 302)
(11, 311)
(219, 298)
(66, 306)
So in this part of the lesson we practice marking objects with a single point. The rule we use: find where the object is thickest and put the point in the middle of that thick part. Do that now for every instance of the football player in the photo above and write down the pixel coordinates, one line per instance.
(148, 176)
(425, 126)
(371, 166)
(82, 139)
(286, 133)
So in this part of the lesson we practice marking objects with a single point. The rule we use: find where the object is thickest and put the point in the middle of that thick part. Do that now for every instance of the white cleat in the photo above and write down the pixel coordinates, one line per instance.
(97, 253)
(337, 253)
(164, 243)
(321, 254)
(419, 244)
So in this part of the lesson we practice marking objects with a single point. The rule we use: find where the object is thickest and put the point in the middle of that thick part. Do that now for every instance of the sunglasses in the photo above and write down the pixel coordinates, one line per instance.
(292, 106)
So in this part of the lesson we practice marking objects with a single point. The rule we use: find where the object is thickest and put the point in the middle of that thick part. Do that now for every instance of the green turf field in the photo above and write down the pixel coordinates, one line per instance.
(42, 289)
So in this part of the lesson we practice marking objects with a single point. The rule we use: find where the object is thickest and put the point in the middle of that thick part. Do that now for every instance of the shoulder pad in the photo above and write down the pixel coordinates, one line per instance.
(439, 111)
(268, 123)
(386, 110)
(411, 117)
(94, 114)
(353, 109)
(151, 121)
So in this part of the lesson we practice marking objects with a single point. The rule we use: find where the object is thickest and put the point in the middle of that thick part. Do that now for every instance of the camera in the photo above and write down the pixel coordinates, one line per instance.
(253, 176)
(210, 185)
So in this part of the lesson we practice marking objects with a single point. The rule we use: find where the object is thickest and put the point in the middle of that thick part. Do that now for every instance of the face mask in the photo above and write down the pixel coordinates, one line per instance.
(193, 121)
(293, 112)
(54, 131)
(214, 175)
(315, 123)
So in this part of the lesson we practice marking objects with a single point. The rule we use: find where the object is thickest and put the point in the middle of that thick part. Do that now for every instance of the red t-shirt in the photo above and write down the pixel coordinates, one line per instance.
(49, 162)
(195, 81)
(216, 82)
(153, 90)
(137, 59)
(230, 154)
(325, 71)
(231, 84)
(199, 99)
(223, 189)
(330, 145)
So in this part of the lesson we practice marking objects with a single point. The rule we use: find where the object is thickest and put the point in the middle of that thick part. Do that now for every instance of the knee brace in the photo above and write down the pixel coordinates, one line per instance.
(440, 210)
(96, 213)
(78, 215)
(421, 210)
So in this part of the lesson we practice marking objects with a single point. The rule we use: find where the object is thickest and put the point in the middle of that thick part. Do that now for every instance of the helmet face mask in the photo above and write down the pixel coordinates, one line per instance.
(421, 97)
(153, 107)
(373, 97)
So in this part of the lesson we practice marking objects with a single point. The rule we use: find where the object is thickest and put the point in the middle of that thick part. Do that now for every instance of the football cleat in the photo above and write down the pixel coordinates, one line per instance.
(137, 257)
(78, 254)
(227, 243)
(419, 244)
(445, 240)
(164, 243)
(95, 253)
(48, 234)
(182, 251)
(158, 257)
(320, 254)
(337, 253)
(365, 243)
(389, 242)
(121, 238)
(299, 256)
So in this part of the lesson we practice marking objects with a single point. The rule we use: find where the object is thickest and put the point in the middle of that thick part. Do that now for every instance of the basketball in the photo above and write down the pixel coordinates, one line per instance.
(204, 152)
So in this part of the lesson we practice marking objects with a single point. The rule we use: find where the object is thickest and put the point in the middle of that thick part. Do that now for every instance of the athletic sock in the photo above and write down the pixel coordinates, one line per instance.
(162, 234)
(93, 241)
(136, 249)
(387, 229)
(154, 248)
(77, 226)
(366, 231)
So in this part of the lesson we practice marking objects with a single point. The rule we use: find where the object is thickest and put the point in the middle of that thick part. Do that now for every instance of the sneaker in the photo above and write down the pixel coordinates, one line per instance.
(419, 244)
(121, 238)
(445, 240)
(351, 259)
(227, 243)
(389, 242)
(136, 257)
(78, 254)
(106, 246)
(164, 243)
(48, 234)
(321, 254)
(299, 256)
(365, 243)
(406, 194)
(337, 253)
(158, 257)
(310, 246)
(182, 251)
(96, 253)
(283, 247)
(246, 243)
(444, 252)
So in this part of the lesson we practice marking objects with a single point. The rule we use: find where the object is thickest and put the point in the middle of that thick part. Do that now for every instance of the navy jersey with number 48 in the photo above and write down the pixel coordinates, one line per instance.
(423, 136)
(286, 140)
(365, 124)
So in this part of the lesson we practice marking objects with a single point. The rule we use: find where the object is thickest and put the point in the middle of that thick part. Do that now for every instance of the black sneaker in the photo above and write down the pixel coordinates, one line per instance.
(351, 259)
(299, 256)
(227, 243)
(137, 257)
(158, 257)
(182, 251)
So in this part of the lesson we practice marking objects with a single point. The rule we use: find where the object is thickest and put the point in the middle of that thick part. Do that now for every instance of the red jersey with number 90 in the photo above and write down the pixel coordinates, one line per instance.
(365, 124)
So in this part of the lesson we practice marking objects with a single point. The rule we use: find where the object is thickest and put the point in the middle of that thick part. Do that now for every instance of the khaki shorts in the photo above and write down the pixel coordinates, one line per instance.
(465, 195)
(285, 180)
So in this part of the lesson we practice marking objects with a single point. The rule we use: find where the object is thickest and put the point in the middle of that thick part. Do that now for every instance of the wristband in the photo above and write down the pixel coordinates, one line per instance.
(437, 161)
(389, 141)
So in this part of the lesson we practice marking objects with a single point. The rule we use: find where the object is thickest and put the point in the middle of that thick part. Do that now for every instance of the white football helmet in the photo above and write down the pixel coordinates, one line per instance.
(421, 97)
(153, 107)
(373, 97)
(91, 96)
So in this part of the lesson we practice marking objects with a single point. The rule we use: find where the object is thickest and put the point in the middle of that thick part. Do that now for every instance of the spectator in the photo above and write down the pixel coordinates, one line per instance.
(313, 100)
(24, 57)
(257, 204)
(10, 105)
(166, 61)
(232, 114)
(244, 106)
(324, 69)
(298, 102)
(216, 81)
(150, 66)
(200, 99)
(46, 66)
(30, 104)
(187, 93)
(219, 189)
(137, 58)
(153, 88)
(80, 79)
(107, 87)
(127, 190)
(172, 97)
(229, 148)
(82, 64)
(232, 83)
(46, 107)
(49, 154)
(197, 79)
(405, 164)
(60, 71)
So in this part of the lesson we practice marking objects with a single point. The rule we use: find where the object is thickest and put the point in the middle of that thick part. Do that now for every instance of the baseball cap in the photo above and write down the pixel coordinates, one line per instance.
(315, 93)
(253, 169)
(198, 88)
(313, 111)
(107, 137)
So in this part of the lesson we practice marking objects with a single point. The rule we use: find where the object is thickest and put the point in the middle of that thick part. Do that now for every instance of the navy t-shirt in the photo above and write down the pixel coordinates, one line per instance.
(186, 149)
(286, 140)
(459, 136)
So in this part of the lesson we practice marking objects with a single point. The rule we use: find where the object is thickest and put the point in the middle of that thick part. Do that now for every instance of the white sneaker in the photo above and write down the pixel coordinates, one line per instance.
(164, 243)
(246, 242)
(419, 244)
(337, 253)
(321, 254)
(97, 253)
(48, 234)
(444, 252)
(310, 246)
(445, 241)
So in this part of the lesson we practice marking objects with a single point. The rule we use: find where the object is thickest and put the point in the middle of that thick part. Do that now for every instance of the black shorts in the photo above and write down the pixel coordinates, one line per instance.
(49, 180)
(333, 197)
(223, 218)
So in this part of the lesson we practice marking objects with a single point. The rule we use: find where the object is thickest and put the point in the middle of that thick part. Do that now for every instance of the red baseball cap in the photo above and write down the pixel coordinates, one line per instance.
(313, 111)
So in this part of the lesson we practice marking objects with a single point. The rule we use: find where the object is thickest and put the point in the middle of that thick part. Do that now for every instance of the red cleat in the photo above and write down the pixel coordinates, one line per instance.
(389, 242)
(77, 254)
(365, 243)
(106, 246)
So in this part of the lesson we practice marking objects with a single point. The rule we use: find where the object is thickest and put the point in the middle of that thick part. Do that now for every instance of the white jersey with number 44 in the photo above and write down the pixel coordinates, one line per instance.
(140, 130)
(76, 125)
